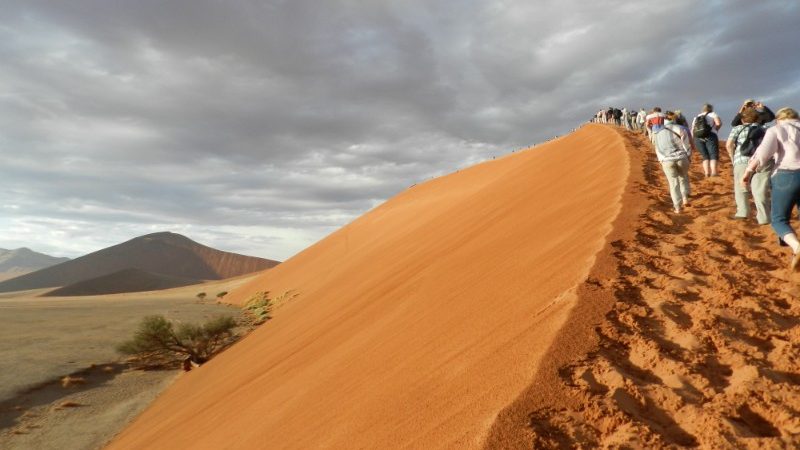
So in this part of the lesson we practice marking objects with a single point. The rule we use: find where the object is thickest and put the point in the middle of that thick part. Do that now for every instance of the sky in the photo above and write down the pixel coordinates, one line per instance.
(259, 127)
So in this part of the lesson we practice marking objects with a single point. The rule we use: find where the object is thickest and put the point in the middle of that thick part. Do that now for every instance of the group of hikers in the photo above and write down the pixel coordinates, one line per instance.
(629, 118)
(765, 158)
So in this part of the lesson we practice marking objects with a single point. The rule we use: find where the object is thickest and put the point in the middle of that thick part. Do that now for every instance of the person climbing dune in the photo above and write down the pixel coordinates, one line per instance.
(674, 150)
(742, 141)
(654, 122)
(781, 143)
(704, 131)
(765, 115)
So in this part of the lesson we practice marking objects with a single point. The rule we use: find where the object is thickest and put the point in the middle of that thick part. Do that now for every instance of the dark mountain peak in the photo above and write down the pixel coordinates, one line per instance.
(164, 254)
(165, 237)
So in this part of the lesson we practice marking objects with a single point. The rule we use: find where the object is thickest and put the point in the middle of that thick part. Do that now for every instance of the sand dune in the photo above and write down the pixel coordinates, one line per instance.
(699, 344)
(416, 324)
(121, 281)
(167, 254)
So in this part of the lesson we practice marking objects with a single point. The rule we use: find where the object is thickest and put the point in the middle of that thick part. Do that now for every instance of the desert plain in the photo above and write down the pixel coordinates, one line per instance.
(45, 339)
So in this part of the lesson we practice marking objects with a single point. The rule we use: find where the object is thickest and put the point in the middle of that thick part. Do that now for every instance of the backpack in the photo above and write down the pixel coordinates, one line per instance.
(755, 134)
(700, 127)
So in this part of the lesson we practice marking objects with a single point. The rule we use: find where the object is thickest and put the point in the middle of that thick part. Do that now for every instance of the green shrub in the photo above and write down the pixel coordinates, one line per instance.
(222, 294)
(260, 306)
(201, 295)
(158, 337)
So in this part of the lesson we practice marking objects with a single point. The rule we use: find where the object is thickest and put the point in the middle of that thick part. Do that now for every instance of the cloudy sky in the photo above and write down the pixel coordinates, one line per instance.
(261, 126)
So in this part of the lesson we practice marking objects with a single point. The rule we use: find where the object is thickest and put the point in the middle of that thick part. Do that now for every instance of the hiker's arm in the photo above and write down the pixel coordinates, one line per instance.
(717, 123)
(737, 120)
(748, 173)
(766, 116)
(730, 146)
(688, 142)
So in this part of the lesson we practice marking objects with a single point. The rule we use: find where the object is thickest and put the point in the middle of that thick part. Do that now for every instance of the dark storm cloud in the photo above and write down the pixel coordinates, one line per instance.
(261, 126)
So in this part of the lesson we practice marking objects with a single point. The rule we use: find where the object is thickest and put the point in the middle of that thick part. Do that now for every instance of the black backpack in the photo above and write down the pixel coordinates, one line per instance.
(700, 127)
(755, 134)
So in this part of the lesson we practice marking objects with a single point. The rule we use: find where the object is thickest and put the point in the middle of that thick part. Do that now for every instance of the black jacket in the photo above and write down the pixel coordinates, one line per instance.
(764, 117)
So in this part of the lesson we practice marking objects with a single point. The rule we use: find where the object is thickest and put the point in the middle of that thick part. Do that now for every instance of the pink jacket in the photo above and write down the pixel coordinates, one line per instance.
(782, 143)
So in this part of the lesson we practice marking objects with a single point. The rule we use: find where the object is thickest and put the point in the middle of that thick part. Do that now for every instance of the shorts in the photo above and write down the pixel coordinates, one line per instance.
(708, 147)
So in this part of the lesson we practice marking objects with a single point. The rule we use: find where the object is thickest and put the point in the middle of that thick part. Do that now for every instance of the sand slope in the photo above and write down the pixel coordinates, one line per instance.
(417, 323)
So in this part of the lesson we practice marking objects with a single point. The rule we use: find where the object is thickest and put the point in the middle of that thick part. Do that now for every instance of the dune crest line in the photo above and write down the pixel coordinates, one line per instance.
(415, 324)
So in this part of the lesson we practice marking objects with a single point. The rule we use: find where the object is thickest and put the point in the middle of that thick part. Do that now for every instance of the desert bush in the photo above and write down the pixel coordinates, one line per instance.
(260, 306)
(222, 294)
(201, 295)
(158, 337)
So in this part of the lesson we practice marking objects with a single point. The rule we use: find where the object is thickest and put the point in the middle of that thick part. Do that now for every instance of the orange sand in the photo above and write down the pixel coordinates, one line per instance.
(416, 324)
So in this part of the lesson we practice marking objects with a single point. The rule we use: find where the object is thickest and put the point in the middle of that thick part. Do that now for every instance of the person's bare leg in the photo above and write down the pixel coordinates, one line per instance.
(714, 172)
(791, 240)
(706, 167)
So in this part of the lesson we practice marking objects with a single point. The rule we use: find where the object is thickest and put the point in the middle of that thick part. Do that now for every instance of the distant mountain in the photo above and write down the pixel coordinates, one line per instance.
(165, 254)
(125, 280)
(14, 263)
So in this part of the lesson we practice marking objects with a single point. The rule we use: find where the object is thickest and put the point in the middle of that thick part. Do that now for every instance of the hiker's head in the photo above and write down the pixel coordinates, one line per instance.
(670, 116)
(749, 103)
(749, 115)
(657, 109)
(707, 108)
(786, 114)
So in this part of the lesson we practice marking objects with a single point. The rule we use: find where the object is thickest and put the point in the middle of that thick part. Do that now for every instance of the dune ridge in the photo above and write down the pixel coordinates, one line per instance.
(416, 324)
(697, 346)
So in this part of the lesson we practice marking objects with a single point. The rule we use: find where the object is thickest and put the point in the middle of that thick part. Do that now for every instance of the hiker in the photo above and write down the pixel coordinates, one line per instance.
(741, 145)
(626, 118)
(641, 117)
(680, 119)
(674, 150)
(654, 122)
(704, 130)
(765, 115)
(617, 116)
(781, 142)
